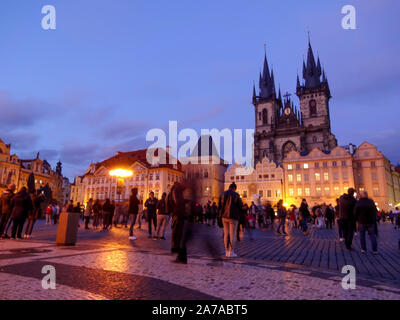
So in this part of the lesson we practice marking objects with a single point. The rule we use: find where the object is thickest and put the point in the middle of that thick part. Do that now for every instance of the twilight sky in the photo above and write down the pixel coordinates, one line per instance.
(113, 69)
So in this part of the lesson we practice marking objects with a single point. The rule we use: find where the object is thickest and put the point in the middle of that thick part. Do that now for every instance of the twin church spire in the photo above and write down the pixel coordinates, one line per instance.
(312, 72)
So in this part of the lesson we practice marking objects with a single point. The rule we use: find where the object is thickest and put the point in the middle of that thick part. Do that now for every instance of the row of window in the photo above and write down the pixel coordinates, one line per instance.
(327, 191)
(306, 177)
(261, 193)
(317, 165)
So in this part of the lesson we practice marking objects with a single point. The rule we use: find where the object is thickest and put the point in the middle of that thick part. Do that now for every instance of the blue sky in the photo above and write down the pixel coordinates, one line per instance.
(114, 69)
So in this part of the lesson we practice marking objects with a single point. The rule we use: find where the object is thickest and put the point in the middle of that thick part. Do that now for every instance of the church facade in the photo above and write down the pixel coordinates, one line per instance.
(282, 127)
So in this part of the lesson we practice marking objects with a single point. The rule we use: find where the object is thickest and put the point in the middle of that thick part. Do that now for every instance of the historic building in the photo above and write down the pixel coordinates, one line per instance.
(317, 176)
(281, 127)
(17, 171)
(206, 170)
(97, 183)
(322, 176)
(262, 184)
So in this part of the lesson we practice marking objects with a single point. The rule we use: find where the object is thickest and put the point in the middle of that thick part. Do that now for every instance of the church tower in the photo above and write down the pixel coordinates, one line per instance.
(314, 96)
(266, 108)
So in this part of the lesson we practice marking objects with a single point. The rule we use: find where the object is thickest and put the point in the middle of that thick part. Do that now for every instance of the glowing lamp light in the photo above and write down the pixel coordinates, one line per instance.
(121, 173)
(286, 205)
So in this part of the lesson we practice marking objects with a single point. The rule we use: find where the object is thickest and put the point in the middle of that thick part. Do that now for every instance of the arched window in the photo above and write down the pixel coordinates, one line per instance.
(265, 116)
(287, 147)
(313, 108)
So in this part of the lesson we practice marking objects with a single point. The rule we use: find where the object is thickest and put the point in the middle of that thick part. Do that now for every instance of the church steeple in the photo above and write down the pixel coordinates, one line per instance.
(267, 82)
(311, 71)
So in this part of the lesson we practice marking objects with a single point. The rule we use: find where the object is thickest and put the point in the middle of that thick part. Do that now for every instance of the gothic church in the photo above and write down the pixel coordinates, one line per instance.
(281, 126)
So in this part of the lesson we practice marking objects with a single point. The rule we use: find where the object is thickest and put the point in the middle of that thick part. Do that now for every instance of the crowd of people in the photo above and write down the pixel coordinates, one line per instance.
(352, 216)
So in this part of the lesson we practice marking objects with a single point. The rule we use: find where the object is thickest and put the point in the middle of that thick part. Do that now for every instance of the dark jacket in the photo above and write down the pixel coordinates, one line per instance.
(176, 202)
(151, 206)
(162, 207)
(365, 211)
(282, 213)
(230, 205)
(133, 204)
(22, 205)
(346, 207)
(5, 201)
(303, 211)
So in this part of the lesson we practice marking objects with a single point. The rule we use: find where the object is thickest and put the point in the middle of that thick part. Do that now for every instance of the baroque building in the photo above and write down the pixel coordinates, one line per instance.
(280, 126)
(97, 183)
(17, 171)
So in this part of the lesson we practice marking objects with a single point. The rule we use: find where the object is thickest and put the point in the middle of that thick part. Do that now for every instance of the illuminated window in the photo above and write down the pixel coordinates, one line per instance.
(278, 193)
(327, 191)
(317, 177)
(299, 191)
(291, 192)
(290, 177)
(318, 191)
(376, 191)
(290, 167)
(307, 192)
(306, 166)
(298, 177)
(336, 190)
(326, 176)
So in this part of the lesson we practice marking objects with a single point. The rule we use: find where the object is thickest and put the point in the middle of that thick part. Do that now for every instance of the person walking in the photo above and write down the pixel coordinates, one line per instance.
(242, 220)
(133, 210)
(34, 214)
(49, 212)
(292, 217)
(22, 205)
(347, 203)
(56, 212)
(88, 213)
(6, 209)
(365, 213)
(304, 215)
(319, 217)
(282, 213)
(214, 212)
(96, 208)
(151, 206)
(162, 217)
(329, 217)
(176, 206)
(270, 213)
(230, 205)
(107, 210)
(118, 212)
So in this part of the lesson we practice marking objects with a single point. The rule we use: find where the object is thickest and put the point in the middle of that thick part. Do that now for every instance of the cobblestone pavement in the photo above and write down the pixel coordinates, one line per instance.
(106, 265)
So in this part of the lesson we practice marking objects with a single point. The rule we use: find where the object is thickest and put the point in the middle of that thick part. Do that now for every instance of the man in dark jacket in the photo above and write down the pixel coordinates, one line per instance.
(304, 214)
(35, 213)
(365, 213)
(21, 207)
(151, 206)
(6, 208)
(347, 203)
(133, 209)
(230, 206)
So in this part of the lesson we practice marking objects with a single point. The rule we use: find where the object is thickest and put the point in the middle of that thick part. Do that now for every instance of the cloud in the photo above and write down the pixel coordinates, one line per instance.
(20, 140)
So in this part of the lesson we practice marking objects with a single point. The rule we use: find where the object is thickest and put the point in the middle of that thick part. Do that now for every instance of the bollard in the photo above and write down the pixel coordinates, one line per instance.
(67, 229)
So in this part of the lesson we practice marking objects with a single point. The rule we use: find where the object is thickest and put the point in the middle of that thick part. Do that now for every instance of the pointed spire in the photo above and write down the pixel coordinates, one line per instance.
(319, 68)
(254, 92)
(298, 82)
(267, 81)
(311, 71)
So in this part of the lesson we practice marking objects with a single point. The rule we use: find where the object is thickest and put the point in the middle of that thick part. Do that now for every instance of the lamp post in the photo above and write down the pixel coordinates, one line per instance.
(120, 174)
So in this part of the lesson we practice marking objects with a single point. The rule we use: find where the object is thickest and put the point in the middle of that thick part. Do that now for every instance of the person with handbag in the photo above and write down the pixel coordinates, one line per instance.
(230, 205)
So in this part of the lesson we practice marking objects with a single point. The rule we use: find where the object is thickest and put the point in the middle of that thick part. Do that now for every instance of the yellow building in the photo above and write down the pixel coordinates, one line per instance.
(17, 171)
(97, 183)
(374, 174)
(318, 176)
(262, 184)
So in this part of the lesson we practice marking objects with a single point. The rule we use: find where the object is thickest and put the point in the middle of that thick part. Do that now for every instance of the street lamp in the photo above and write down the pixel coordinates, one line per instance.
(120, 174)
